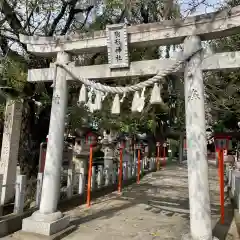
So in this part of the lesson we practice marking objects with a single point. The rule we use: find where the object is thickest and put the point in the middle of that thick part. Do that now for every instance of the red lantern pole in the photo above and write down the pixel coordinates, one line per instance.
(89, 177)
(158, 157)
(221, 183)
(164, 155)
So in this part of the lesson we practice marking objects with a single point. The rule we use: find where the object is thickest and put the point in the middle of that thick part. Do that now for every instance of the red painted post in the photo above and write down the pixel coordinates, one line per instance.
(120, 170)
(164, 155)
(218, 152)
(42, 157)
(158, 157)
(89, 177)
(221, 183)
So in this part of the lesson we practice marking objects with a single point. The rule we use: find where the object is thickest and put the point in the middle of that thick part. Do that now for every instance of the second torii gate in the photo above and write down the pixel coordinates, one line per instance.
(48, 220)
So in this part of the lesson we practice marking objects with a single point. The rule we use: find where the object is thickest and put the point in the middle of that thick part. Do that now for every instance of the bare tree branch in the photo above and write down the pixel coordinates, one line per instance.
(58, 18)
(47, 22)
(86, 18)
(11, 17)
(6, 50)
(72, 14)
(27, 23)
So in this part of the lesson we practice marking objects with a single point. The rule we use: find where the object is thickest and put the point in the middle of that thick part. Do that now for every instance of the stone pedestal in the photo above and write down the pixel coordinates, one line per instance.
(80, 159)
(108, 157)
(189, 237)
(81, 155)
(45, 224)
(108, 150)
(81, 162)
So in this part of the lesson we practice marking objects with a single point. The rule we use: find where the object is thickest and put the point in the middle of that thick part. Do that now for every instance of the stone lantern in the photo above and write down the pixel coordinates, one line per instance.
(84, 139)
(108, 146)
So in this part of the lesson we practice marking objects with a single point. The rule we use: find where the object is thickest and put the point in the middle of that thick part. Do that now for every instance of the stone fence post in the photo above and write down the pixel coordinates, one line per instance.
(81, 182)
(39, 189)
(70, 180)
(20, 194)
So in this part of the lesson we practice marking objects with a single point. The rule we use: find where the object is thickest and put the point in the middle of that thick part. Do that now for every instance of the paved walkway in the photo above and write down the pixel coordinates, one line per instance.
(158, 208)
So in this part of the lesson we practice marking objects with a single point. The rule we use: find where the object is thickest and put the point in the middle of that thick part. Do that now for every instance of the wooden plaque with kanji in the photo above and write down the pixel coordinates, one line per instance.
(117, 44)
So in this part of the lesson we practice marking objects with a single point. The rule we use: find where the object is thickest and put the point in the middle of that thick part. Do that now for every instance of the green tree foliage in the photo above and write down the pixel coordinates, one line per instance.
(223, 88)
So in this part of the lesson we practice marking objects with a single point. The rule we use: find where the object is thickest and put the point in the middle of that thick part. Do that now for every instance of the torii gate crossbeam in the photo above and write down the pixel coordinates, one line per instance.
(207, 26)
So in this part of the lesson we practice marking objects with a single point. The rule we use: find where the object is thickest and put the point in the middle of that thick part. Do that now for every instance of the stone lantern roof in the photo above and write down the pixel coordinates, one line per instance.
(84, 131)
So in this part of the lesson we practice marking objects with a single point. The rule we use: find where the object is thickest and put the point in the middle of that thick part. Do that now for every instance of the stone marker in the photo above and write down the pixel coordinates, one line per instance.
(10, 146)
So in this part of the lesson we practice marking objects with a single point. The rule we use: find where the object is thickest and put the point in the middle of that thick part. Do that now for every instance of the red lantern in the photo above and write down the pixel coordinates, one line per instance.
(91, 138)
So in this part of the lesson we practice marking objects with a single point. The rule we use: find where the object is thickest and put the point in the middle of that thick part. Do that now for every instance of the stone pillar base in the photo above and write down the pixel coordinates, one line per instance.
(189, 237)
(47, 225)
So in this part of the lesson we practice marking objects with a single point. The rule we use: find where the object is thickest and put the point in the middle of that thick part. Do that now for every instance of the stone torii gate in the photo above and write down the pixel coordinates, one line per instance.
(190, 31)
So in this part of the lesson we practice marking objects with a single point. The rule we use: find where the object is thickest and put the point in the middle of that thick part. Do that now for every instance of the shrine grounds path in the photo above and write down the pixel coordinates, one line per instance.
(157, 208)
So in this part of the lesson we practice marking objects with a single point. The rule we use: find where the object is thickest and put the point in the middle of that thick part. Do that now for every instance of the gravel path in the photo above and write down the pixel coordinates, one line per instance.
(157, 208)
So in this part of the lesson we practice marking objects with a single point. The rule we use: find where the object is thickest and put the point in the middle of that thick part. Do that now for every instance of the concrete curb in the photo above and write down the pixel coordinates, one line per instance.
(237, 221)
(234, 230)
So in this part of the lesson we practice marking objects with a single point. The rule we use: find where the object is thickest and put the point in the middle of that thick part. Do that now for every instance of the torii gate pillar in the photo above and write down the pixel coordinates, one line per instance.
(48, 220)
(199, 200)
